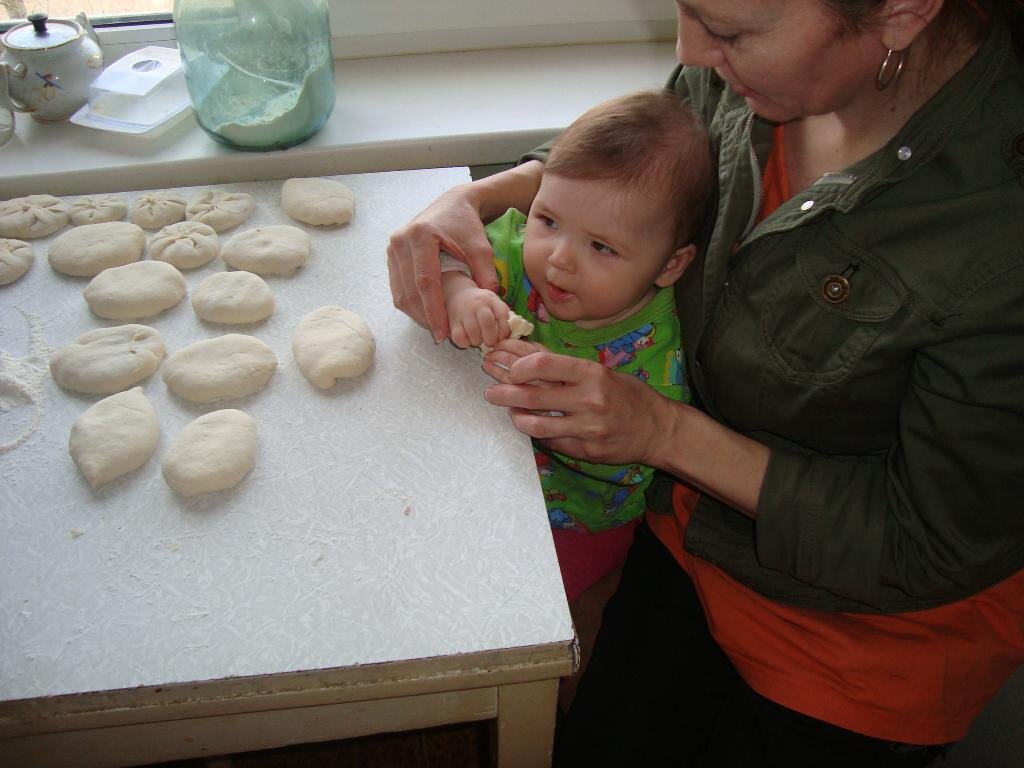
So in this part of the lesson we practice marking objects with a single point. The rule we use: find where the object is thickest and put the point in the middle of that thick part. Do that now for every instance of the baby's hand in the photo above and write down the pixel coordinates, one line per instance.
(477, 317)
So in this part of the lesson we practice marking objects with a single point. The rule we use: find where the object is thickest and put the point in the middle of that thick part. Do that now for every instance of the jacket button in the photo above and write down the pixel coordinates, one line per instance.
(835, 289)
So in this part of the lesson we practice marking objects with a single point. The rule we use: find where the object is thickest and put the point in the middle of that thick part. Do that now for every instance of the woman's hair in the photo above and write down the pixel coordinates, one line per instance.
(958, 22)
(646, 142)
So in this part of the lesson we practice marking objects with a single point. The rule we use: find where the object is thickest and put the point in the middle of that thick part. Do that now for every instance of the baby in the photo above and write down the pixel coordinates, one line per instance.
(592, 267)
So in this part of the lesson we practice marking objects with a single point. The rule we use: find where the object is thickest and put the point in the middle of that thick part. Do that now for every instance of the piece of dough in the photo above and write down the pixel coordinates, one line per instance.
(229, 366)
(272, 250)
(153, 210)
(107, 360)
(220, 210)
(332, 343)
(318, 201)
(87, 250)
(16, 257)
(518, 327)
(212, 453)
(233, 298)
(135, 291)
(33, 216)
(186, 245)
(114, 436)
(96, 209)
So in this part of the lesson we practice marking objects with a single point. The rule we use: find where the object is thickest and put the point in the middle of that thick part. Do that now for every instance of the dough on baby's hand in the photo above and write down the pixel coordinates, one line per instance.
(332, 343)
(87, 250)
(185, 245)
(212, 453)
(33, 216)
(233, 298)
(114, 436)
(16, 256)
(276, 249)
(153, 210)
(220, 210)
(518, 326)
(135, 291)
(229, 366)
(96, 209)
(318, 201)
(107, 360)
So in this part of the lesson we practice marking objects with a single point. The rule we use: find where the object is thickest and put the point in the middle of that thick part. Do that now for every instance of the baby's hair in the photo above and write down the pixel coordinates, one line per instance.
(647, 141)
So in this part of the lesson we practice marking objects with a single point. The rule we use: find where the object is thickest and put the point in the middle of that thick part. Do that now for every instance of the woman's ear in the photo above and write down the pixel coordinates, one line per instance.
(901, 21)
(675, 266)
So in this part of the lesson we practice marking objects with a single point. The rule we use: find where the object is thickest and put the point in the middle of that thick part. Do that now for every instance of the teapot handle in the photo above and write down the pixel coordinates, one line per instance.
(83, 20)
(6, 100)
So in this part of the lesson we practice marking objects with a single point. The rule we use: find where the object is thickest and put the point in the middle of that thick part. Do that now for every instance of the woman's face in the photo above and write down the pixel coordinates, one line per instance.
(788, 58)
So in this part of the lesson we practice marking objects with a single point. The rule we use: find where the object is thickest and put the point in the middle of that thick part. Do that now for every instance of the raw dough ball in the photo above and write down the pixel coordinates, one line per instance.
(114, 436)
(233, 298)
(220, 210)
(186, 245)
(87, 250)
(212, 453)
(273, 250)
(134, 291)
(332, 343)
(97, 209)
(32, 216)
(107, 360)
(233, 365)
(318, 201)
(15, 258)
(153, 210)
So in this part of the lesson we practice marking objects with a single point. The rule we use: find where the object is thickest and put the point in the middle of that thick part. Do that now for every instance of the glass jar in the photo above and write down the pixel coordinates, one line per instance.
(259, 72)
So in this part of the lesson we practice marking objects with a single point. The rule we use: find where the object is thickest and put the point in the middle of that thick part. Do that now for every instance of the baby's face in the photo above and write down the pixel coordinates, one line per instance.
(593, 253)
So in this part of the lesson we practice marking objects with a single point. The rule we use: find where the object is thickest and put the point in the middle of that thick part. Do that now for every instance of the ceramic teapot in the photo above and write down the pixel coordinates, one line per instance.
(50, 65)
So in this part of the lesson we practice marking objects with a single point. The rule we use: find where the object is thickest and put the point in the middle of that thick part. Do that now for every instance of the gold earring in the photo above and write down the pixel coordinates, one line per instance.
(885, 77)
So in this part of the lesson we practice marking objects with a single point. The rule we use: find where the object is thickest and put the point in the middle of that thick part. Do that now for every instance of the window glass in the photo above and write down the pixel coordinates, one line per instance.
(98, 11)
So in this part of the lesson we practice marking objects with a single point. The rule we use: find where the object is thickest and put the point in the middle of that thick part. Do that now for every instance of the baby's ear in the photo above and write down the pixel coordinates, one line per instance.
(675, 266)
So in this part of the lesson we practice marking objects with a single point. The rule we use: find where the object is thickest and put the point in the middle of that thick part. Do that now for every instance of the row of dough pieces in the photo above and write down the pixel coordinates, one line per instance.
(100, 240)
(118, 434)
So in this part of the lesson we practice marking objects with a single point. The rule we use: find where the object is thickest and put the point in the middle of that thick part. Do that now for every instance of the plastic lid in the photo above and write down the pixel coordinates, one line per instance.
(39, 32)
(139, 72)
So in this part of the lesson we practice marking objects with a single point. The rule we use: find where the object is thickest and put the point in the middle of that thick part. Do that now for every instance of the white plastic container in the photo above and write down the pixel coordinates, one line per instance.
(143, 92)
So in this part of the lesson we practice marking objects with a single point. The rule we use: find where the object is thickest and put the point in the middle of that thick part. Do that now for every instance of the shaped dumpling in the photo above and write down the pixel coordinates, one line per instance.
(16, 257)
(32, 216)
(185, 245)
(153, 210)
(87, 250)
(332, 343)
(96, 209)
(318, 201)
(220, 210)
(114, 436)
(107, 360)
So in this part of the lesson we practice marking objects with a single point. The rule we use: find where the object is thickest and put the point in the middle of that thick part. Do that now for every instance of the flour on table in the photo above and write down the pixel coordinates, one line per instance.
(220, 210)
(212, 453)
(233, 298)
(34, 216)
(16, 256)
(114, 436)
(96, 209)
(135, 291)
(321, 202)
(87, 250)
(276, 249)
(229, 366)
(107, 360)
(153, 210)
(21, 381)
(332, 343)
(186, 245)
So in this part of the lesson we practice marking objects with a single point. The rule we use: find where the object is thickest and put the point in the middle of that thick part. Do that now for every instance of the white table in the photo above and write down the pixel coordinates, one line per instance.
(387, 565)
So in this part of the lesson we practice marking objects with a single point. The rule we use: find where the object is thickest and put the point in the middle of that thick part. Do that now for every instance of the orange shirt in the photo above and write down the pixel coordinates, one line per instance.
(919, 677)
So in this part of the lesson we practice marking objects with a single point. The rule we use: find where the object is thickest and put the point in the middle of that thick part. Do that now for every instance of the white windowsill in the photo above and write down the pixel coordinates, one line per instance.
(392, 113)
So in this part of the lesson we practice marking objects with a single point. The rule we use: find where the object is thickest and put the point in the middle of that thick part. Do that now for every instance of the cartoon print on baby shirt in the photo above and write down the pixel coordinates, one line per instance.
(622, 351)
(674, 366)
(534, 303)
(628, 478)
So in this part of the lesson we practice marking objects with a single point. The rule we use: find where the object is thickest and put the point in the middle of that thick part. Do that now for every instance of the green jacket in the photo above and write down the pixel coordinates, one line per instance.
(895, 416)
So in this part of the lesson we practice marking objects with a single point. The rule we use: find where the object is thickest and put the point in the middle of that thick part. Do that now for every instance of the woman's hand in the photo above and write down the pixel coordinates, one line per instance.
(607, 417)
(452, 223)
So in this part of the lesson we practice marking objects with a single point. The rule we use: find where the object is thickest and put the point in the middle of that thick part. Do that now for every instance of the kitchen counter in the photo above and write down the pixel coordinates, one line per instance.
(392, 113)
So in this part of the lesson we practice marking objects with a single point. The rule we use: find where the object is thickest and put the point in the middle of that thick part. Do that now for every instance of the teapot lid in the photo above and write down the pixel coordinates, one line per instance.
(39, 32)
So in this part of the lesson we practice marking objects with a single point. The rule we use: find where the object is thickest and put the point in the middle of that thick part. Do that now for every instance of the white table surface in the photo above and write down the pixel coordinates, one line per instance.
(396, 516)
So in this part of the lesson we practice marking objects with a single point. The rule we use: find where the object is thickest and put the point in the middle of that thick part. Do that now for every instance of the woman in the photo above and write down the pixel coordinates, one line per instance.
(850, 590)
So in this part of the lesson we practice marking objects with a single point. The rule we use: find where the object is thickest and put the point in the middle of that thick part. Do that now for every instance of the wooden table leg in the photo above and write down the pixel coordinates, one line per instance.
(526, 724)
